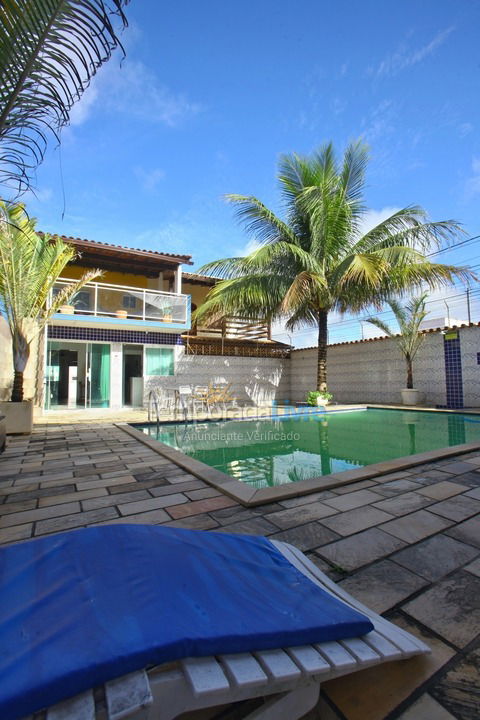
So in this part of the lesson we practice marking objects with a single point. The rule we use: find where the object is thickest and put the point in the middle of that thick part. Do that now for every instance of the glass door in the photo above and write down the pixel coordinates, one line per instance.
(97, 375)
(53, 375)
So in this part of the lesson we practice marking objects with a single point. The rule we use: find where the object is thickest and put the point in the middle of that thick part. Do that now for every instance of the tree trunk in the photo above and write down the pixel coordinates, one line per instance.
(17, 390)
(21, 352)
(409, 373)
(322, 350)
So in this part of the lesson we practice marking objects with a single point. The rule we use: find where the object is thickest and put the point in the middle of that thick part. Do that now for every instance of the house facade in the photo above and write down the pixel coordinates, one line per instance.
(130, 331)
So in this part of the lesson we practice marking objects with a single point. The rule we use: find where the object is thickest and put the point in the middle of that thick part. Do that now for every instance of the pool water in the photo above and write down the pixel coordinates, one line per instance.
(275, 451)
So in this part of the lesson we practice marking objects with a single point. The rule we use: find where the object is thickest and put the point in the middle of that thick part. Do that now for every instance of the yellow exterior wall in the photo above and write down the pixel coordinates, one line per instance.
(74, 272)
(198, 292)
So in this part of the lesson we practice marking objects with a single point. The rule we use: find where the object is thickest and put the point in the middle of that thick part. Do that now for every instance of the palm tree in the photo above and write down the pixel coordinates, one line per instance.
(30, 264)
(49, 52)
(409, 319)
(317, 259)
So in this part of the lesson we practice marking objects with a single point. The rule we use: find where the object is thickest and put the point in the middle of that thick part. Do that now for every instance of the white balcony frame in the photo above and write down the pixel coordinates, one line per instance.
(177, 302)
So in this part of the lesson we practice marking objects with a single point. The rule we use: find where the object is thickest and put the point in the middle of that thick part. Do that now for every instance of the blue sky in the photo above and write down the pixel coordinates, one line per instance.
(211, 93)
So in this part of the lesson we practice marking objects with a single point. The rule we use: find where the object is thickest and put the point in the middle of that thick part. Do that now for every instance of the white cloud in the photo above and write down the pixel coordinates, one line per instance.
(39, 195)
(406, 57)
(149, 179)
(374, 217)
(83, 107)
(465, 129)
(472, 186)
(133, 89)
(380, 122)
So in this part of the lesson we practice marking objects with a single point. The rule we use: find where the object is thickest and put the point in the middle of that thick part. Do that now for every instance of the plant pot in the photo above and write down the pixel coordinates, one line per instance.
(410, 396)
(167, 318)
(67, 309)
(321, 402)
(18, 415)
(122, 314)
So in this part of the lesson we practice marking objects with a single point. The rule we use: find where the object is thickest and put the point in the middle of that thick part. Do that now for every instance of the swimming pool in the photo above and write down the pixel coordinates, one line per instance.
(279, 451)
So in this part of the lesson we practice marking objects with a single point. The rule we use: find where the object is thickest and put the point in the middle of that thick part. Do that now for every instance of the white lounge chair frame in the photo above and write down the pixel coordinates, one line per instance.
(291, 675)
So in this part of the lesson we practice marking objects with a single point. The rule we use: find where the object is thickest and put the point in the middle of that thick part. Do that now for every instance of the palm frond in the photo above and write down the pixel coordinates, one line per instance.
(49, 52)
(259, 221)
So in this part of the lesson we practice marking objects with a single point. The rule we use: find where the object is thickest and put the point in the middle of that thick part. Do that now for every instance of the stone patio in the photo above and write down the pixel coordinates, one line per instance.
(407, 544)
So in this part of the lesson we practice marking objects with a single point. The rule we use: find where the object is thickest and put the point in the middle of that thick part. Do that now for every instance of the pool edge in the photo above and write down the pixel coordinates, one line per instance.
(249, 497)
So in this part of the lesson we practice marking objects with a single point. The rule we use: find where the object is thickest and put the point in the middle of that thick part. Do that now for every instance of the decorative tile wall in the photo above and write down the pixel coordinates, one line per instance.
(58, 332)
(453, 371)
(372, 372)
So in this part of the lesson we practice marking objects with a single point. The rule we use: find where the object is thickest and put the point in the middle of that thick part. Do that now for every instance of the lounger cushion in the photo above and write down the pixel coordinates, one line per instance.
(80, 608)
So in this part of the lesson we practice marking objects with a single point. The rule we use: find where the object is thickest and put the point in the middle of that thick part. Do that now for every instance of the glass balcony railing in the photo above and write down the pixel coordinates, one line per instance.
(104, 300)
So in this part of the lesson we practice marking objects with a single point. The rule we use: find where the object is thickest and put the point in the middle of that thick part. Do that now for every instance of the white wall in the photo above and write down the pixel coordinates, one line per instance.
(259, 381)
(372, 371)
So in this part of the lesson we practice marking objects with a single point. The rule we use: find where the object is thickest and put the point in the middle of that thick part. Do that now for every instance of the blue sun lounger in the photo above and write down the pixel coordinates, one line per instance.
(174, 620)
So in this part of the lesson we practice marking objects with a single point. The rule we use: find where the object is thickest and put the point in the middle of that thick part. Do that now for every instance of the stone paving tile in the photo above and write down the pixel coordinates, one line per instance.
(426, 708)
(256, 526)
(307, 537)
(168, 489)
(117, 499)
(59, 524)
(362, 485)
(361, 549)
(200, 506)
(458, 467)
(194, 522)
(468, 531)
(383, 585)
(458, 508)
(104, 483)
(201, 493)
(416, 526)
(396, 487)
(132, 508)
(13, 507)
(152, 517)
(450, 608)
(436, 557)
(403, 504)
(352, 500)
(374, 693)
(72, 496)
(470, 479)
(458, 690)
(300, 515)
(27, 516)
(352, 521)
(38, 493)
(17, 532)
(475, 494)
(306, 499)
(474, 567)
(442, 490)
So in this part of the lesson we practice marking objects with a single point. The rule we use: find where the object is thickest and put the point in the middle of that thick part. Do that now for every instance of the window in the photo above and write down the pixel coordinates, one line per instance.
(81, 300)
(129, 301)
(159, 361)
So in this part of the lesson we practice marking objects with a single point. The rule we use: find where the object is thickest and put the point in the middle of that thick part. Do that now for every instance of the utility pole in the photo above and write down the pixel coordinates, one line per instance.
(469, 311)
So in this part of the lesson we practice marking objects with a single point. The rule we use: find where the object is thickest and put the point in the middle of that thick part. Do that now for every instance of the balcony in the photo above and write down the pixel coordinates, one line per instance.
(235, 337)
(107, 305)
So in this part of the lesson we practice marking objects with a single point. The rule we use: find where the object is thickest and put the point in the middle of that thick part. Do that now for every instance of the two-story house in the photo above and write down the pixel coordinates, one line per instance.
(132, 325)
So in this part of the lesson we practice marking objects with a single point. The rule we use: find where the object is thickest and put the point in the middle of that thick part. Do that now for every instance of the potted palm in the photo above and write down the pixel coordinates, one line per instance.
(409, 340)
(30, 264)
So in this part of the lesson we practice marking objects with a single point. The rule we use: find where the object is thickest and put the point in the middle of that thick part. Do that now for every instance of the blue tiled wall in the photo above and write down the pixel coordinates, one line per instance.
(453, 372)
(57, 332)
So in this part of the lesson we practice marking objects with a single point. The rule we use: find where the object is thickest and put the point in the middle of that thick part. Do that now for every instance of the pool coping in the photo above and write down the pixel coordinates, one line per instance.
(249, 497)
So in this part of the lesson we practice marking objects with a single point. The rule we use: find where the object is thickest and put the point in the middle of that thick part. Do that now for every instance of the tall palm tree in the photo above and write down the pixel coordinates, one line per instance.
(317, 259)
(30, 264)
(49, 52)
(409, 319)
